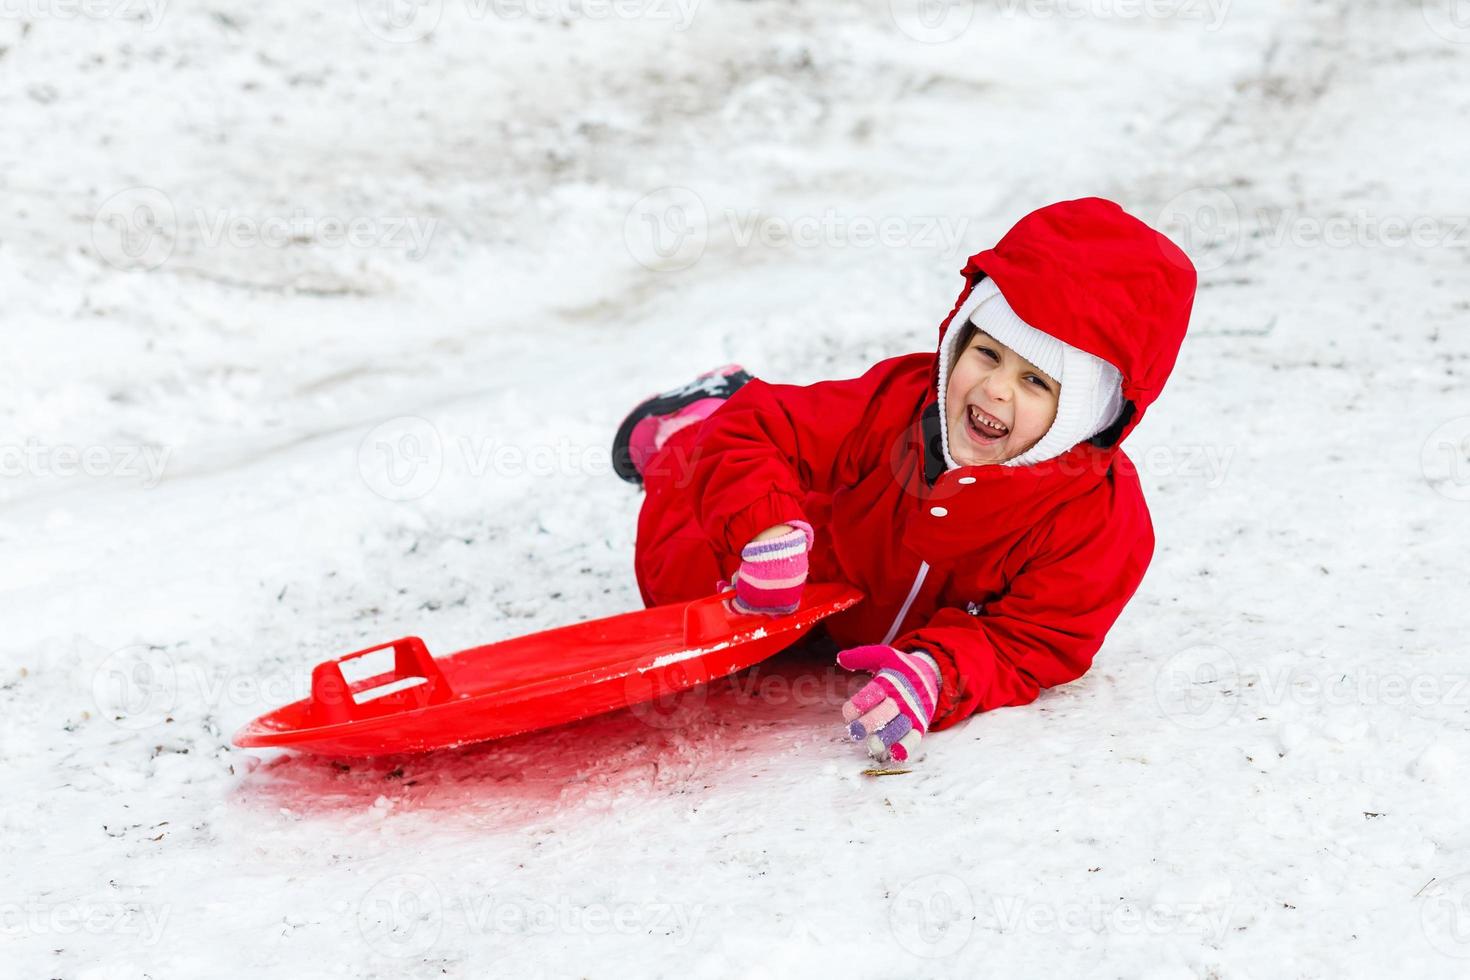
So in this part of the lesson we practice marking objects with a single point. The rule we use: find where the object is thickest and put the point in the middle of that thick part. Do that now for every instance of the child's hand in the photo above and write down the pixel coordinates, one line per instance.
(892, 713)
(773, 570)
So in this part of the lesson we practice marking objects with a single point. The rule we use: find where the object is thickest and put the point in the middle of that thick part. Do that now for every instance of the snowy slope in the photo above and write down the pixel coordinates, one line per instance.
(243, 250)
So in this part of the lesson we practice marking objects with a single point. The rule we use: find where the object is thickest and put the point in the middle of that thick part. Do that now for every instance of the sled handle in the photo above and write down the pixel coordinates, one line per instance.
(706, 620)
(414, 682)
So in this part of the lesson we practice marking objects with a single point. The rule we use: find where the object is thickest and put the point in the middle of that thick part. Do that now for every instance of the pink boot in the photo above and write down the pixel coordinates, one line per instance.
(646, 429)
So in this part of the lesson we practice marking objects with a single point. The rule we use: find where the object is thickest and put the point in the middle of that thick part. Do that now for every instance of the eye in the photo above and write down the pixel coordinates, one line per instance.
(986, 350)
(1039, 383)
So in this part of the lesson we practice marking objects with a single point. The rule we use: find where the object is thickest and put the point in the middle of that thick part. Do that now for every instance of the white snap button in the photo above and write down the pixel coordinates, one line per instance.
(938, 511)
(967, 479)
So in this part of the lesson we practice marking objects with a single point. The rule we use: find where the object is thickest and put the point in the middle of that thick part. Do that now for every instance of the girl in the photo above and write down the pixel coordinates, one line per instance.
(978, 495)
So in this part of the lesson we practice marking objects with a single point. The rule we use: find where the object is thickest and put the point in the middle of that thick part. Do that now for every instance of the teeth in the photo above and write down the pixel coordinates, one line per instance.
(982, 420)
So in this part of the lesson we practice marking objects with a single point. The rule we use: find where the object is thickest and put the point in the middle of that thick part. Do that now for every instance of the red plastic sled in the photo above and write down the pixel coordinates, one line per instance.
(531, 682)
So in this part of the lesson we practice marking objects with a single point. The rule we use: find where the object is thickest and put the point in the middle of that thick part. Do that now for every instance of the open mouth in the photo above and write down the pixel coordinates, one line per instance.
(984, 428)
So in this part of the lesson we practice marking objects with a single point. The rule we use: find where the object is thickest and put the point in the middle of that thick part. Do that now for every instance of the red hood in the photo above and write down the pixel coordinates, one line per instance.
(1094, 276)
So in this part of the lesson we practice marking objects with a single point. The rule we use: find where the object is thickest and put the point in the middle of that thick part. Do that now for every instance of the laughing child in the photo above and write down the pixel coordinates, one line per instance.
(978, 495)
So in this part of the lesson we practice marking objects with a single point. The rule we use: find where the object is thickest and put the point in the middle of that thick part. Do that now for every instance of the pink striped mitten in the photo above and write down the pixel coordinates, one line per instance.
(892, 713)
(773, 572)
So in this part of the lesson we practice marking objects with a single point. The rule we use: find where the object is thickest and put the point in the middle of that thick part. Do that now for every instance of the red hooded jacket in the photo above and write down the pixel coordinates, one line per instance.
(1009, 576)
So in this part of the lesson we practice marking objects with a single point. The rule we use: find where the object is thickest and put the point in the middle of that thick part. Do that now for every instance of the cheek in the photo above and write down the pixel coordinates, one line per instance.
(961, 380)
(1039, 415)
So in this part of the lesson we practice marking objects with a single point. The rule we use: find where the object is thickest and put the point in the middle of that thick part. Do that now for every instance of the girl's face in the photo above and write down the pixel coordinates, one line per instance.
(990, 383)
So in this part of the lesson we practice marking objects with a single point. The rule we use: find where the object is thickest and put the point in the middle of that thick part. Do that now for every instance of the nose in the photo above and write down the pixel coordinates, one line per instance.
(996, 388)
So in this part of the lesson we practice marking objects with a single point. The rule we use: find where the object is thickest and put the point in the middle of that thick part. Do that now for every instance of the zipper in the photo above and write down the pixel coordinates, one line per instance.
(913, 594)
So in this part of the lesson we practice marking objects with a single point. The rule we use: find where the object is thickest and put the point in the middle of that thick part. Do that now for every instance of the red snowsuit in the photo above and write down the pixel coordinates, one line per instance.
(1009, 576)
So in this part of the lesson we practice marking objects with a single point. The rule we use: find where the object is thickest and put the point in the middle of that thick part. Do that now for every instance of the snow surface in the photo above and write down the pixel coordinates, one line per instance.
(236, 445)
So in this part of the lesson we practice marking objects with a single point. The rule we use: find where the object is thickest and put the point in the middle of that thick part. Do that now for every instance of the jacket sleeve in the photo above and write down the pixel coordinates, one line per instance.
(770, 445)
(1048, 624)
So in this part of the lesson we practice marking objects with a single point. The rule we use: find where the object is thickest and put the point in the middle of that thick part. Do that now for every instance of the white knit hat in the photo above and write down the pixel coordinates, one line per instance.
(1092, 389)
